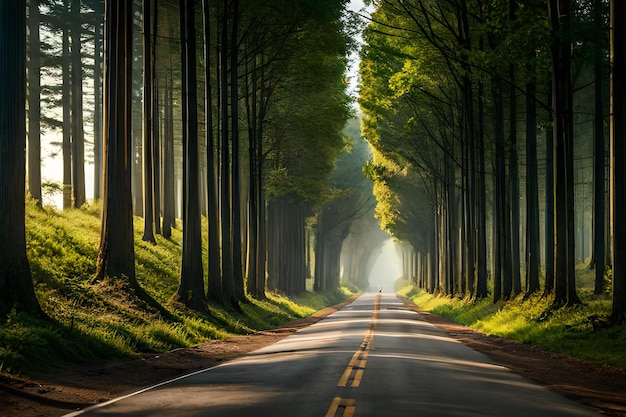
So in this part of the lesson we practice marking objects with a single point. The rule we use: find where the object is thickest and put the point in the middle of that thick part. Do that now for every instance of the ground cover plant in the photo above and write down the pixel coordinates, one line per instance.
(582, 331)
(95, 322)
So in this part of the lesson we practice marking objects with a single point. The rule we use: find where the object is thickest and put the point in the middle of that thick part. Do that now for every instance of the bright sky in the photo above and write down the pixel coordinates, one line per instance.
(387, 269)
(356, 6)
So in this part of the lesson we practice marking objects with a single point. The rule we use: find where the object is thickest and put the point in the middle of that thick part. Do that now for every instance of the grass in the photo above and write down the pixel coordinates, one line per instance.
(97, 322)
(581, 331)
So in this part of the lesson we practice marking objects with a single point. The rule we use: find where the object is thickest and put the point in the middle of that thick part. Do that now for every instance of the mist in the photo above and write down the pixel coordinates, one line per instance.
(387, 267)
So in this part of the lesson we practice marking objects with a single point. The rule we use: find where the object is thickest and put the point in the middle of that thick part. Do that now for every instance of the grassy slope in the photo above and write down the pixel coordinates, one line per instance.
(581, 331)
(98, 322)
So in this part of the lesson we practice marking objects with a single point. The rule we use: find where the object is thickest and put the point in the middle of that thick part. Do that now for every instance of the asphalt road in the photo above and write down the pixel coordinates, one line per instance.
(372, 358)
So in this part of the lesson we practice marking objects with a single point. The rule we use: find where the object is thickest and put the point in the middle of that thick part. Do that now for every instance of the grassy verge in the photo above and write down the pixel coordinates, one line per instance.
(101, 322)
(578, 331)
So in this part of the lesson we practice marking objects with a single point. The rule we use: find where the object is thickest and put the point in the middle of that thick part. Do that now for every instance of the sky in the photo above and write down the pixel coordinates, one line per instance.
(353, 68)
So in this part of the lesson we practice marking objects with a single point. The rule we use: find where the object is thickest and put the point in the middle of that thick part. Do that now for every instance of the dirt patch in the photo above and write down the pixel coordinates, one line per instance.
(601, 387)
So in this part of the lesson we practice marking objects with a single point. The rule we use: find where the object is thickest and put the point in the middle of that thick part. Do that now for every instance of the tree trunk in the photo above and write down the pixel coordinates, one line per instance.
(78, 134)
(501, 230)
(618, 159)
(97, 113)
(148, 189)
(34, 106)
(227, 257)
(16, 285)
(599, 192)
(262, 220)
(116, 255)
(253, 204)
(481, 208)
(514, 223)
(549, 215)
(169, 198)
(191, 288)
(565, 289)
(66, 93)
(236, 175)
(156, 124)
(214, 291)
(532, 192)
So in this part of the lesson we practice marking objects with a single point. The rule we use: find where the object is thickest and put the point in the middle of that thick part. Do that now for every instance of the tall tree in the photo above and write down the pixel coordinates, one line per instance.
(618, 159)
(169, 201)
(532, 189)
(156, 124)
(16, 285)
(116, 255)
(235, 184)
(514, 174)
(97, 111)
(148, 114)
(66, 99)
(565, 279)
(78, 134)
(599, 163)
(34, 106)
(225, 187)
(549, 212)
(214, 290)
(191, 288)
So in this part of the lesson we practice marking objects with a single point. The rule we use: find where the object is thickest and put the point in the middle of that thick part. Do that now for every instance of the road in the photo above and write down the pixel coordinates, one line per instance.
(372, 358)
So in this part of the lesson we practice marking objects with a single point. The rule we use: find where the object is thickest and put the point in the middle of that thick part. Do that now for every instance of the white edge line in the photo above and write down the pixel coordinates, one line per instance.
(132, 394)
(141, 391)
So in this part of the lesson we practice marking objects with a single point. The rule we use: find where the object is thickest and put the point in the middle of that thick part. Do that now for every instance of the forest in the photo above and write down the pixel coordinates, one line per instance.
(223, 118)
(492, 146)
(497, 138)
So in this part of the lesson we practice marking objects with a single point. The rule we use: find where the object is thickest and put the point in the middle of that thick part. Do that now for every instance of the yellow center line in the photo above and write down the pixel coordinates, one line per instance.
(347, 404)
(353, 374)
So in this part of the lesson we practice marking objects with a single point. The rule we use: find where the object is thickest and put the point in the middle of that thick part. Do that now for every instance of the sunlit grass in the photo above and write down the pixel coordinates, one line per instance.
(95, 322)
(581, 331)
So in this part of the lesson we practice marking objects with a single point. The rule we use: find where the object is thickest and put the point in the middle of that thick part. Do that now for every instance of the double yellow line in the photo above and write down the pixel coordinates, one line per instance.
(354, 371)
(346, 404)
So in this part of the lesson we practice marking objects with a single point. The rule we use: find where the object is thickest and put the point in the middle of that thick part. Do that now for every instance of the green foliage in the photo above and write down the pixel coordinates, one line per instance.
(94, 322)
(320, 300)
(311, 106)
(581, 331)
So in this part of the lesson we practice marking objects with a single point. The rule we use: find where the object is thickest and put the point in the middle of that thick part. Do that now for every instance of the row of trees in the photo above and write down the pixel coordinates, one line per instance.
(478, 113)
(240, 118)
(64, 55)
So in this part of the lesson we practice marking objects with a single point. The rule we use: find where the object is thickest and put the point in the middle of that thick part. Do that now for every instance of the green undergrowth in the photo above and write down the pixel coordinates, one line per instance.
(581, 331)
(96, 322)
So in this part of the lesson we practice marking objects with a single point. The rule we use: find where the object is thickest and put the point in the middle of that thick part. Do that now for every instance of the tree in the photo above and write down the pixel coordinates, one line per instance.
(34, 106)
(116, 255)
(67, 109)
(78, 134)
(532, 191)
(169, 200)
(214, 290)
(97, 116)
(235, 154)
(565, 280)
(513, 175)
(228, 287)
(16, 285)
(618, 159)
(599, 164)
(191, 288)
(148, 127)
